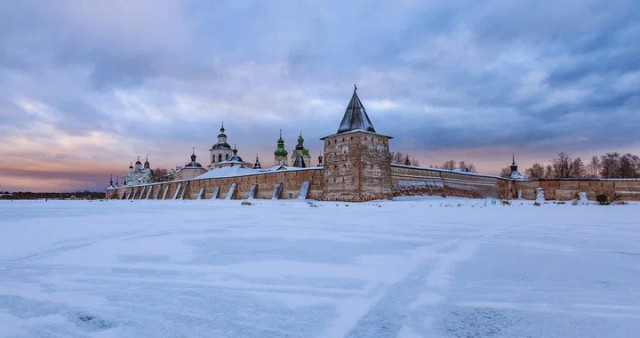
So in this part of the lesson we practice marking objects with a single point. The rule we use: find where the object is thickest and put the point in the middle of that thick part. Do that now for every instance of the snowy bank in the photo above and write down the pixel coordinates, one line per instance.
(414, 267)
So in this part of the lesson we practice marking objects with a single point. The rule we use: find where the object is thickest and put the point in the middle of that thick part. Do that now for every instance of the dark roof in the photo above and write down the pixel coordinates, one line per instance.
(235, 157)
(193, 163)
(223, 145)
(299, 162)
(355, 117)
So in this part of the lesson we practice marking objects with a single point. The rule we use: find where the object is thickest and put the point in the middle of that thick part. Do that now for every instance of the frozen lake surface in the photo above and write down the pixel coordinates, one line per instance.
(429, 267)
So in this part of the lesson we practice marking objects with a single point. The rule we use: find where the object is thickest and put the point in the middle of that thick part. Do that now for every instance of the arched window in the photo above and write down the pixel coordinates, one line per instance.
(226, 156)
(219, 157)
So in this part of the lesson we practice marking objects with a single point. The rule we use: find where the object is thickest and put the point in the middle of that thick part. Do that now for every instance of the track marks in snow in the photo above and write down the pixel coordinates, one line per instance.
(386, 317)
(427, 284)
(279, 269)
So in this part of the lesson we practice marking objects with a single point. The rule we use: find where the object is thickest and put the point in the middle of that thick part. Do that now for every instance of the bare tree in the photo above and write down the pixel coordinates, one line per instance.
(462, 165)
(536, 171)
(505, 172)
(629, 166)
(396, 157)
(561, 165)
(449, 165)
(610, 165)
(564, 166)
(470, 167)
(593, 168)
(159, 175)
(548, 171)
(576, 168)
(404, 159)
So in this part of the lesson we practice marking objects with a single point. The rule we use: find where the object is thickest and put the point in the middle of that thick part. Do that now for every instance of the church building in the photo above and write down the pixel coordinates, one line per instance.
(138, 175)
(355, 164)
(234, 161)
(190, 170)
(220, 151)
(280, 153)
(302, 153)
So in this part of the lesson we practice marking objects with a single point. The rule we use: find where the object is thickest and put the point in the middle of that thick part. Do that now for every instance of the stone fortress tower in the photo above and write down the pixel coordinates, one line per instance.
(357, 161)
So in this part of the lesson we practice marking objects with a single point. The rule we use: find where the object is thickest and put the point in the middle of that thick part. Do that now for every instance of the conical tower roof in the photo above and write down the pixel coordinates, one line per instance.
(299, 162)
(355, 117)
(514, 170)
(514, 166)
(257, 164)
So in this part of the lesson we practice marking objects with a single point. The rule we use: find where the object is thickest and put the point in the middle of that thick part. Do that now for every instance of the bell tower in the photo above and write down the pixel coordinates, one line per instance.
(357, 162)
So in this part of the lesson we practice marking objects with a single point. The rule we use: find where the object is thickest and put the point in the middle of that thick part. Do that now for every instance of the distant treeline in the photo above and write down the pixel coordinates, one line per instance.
(609, 165)
(26, 195)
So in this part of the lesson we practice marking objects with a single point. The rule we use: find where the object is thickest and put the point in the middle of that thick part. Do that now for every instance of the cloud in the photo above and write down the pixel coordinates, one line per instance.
(92, 85)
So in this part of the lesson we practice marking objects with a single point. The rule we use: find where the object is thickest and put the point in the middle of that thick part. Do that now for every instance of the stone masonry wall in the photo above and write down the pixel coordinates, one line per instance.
(484, 185)
(568, 189)
(265, 183)
(375, 180)
(357, 167)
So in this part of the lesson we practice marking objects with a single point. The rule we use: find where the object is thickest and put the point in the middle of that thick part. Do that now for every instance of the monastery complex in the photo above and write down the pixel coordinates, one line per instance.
(354, 166)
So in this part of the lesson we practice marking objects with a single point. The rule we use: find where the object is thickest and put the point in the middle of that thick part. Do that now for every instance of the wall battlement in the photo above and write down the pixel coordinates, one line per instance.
(358, 168)
(482, 185)
(568, 189)
(263, 186)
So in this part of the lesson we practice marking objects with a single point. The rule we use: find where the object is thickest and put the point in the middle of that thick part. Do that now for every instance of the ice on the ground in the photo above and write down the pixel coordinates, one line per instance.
(414, 267)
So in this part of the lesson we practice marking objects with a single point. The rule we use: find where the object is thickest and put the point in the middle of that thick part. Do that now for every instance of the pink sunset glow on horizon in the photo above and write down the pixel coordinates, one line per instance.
(87, 87)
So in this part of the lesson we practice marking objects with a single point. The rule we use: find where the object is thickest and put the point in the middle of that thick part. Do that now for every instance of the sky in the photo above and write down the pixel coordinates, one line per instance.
(87, 86)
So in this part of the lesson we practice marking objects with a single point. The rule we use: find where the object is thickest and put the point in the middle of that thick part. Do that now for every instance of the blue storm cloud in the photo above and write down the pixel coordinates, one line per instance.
(437, 75)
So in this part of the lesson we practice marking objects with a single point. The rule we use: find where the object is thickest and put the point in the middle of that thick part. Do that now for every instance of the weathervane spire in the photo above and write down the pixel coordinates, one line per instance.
(355, 88)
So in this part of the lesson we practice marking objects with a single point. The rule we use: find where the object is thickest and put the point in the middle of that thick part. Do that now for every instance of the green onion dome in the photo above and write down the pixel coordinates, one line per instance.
(280, 151)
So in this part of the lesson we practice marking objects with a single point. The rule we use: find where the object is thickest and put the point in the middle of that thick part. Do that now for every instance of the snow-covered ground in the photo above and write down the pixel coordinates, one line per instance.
(414, 267)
